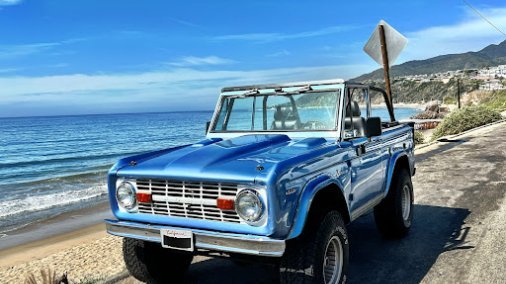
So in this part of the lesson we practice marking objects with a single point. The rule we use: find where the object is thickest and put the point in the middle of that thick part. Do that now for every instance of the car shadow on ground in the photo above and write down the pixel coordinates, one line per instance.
(377, 260)
(372, 258)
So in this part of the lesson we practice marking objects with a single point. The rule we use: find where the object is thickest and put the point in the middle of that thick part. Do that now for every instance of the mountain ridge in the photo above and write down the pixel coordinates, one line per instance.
(491, 55)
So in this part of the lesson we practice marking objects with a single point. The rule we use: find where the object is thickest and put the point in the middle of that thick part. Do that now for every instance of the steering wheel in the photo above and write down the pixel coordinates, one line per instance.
(314, 124)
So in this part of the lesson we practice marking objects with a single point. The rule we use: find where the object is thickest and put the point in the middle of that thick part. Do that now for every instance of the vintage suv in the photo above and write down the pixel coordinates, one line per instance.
(281, 172)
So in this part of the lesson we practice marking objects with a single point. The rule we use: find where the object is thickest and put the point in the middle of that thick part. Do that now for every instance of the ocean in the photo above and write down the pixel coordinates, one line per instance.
(52, 165)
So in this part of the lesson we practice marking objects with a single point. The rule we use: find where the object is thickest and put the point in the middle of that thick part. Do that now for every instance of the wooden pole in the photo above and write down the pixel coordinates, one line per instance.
(386, 71)
(458, 93)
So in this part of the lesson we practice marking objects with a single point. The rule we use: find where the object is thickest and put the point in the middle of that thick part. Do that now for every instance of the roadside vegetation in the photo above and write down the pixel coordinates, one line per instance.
(48, 276)
(496, 101)
(419, 138)
(465, 119)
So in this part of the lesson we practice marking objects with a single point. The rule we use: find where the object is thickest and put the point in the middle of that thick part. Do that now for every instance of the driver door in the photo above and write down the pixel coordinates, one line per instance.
(368, 167)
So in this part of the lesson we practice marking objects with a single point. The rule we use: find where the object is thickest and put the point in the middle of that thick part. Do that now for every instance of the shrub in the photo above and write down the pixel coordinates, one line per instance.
(465, 119)
(419, 138)
(496, 101)
(449, 100)
(47, 276)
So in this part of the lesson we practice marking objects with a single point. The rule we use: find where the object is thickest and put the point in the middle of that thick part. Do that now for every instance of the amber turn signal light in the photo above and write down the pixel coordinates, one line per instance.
(144, 197)
(225, 204)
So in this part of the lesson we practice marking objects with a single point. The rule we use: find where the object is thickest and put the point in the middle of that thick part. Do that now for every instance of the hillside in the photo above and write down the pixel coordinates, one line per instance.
(418, 92)
(492, 55)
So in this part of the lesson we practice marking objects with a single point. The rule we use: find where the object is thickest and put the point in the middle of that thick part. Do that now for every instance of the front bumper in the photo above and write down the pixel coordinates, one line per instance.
(204, 240)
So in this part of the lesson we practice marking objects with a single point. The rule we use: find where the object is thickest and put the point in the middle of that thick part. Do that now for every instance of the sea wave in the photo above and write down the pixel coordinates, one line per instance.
(68, 158)
(31, 203)
(53, 180)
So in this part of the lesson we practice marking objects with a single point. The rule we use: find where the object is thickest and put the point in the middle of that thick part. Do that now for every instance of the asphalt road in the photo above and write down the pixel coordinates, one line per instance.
(459, 229)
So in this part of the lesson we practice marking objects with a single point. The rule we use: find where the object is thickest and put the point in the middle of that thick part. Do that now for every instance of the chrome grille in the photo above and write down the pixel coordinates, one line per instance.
(187, 199)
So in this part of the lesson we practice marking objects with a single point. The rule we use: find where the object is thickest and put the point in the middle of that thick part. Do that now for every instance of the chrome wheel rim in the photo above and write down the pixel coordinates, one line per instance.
(333, 261)
(406, 202)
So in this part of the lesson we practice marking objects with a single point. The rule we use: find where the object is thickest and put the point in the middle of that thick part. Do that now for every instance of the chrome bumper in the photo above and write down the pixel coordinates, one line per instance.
(206, 240)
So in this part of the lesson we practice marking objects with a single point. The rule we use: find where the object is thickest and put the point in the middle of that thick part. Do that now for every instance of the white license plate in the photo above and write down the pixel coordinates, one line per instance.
(177, 239)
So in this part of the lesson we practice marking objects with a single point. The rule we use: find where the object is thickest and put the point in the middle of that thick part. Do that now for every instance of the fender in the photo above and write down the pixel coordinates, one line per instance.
(306, 199)
(392, 164)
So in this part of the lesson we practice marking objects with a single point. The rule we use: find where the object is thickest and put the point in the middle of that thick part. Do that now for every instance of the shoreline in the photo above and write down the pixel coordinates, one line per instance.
(41, 248)
(420, 106)
(69, 225)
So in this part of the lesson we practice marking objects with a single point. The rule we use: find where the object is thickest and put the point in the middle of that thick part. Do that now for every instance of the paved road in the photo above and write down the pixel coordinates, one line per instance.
(459, 231)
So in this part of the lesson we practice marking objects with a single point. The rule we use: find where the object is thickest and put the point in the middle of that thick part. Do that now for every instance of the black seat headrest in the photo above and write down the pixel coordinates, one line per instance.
(285, 118)
(355, 109)
(282, 113)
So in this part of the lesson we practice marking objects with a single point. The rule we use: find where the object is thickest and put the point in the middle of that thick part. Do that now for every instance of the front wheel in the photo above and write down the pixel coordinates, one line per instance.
(150, 263)
(318, 257)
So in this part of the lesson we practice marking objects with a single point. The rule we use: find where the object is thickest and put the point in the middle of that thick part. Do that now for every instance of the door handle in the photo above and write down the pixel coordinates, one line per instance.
(360, 150)
(375, 139)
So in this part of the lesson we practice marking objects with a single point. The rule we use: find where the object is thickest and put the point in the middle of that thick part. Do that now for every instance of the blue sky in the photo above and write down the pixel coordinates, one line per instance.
(76, 57)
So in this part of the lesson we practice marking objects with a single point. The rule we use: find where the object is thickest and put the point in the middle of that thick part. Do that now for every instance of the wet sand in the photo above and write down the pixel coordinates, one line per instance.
(58, 225)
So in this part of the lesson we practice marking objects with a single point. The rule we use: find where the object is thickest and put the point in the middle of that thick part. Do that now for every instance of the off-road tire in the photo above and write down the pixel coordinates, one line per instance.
(303, 260)
(389, 213)
(149, 262)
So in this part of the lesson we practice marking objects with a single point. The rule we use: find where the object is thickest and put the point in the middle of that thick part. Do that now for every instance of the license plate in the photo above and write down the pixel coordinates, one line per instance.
(177, 239)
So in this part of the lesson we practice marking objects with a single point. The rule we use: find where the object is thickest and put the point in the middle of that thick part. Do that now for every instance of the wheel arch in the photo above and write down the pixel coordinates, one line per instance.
(320, 196)
(400, 161)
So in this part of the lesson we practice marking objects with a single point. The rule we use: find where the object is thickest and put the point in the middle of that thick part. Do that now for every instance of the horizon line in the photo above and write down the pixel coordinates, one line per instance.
(114, 113)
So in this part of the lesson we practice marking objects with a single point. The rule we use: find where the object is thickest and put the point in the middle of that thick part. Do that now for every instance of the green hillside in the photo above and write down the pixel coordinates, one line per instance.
(415, 92)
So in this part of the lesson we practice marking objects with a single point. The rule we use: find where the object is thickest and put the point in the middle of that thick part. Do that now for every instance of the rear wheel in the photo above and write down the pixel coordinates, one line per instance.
(395, 213)
(150, 263)
(319, 256)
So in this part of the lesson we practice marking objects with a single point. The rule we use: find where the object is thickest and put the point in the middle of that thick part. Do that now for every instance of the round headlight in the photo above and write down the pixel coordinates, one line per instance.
(248, 205)
(125, 193)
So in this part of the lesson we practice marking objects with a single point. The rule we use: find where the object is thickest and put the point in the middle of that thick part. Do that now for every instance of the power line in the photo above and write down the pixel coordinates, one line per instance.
(483, 17)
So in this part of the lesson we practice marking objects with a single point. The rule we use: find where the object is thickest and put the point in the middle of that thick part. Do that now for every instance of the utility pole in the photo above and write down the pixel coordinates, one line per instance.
(458, 93)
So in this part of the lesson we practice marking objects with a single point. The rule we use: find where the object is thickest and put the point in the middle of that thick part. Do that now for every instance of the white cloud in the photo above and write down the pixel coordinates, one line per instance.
(9, 2)
(168, 90)
(15, 86)
(9, 70)
(270, 37)
(470, 34)
(14, 51)
(20, 50)
(185, 23)
(197, 61)
(281, 53)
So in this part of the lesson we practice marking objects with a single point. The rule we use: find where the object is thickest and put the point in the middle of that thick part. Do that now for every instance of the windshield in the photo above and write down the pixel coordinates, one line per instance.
(311, 111)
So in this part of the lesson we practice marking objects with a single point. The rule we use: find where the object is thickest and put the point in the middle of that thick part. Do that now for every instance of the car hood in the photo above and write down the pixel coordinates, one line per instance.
(237, 159)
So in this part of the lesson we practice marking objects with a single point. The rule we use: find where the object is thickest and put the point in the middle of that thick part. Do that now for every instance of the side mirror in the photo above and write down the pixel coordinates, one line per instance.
(208, 124)
(373, 127)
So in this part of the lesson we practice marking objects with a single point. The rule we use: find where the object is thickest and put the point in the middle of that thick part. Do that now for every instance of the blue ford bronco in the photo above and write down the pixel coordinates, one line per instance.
(282, 171)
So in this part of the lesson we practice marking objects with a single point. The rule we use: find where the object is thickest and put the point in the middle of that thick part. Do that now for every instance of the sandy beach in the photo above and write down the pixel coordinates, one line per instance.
(87, 254)
(74, 242)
